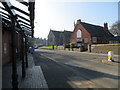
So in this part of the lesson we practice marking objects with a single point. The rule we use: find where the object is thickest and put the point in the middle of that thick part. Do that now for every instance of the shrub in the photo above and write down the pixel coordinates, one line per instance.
(72, 45)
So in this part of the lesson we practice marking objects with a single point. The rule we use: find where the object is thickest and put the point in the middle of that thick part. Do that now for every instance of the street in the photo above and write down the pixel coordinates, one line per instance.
(63, 69)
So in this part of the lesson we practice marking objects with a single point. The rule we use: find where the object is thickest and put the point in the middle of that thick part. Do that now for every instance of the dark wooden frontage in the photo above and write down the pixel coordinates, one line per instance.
(15, 36)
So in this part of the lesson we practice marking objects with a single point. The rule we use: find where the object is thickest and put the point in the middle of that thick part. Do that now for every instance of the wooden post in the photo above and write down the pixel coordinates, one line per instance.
(26, 50)
(22, 54)
(14, 58)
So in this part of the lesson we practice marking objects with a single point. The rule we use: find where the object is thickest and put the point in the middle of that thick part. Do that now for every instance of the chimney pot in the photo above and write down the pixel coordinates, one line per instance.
(78, 21)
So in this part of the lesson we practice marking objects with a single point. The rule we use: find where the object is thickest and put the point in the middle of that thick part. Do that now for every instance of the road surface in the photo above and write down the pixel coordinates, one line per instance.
(67, 69)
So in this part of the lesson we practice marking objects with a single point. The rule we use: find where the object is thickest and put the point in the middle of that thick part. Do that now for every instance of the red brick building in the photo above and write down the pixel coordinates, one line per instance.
(85, 33)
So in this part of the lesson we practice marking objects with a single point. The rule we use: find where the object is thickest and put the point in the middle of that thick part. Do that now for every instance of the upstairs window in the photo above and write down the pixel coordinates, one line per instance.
(79, 33)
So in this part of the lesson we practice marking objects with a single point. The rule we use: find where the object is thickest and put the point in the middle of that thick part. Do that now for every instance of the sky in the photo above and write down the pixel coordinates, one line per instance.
(61, 15)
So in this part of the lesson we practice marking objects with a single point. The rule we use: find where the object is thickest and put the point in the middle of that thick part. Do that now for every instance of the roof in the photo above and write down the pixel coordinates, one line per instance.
(24, 18)
(97, 31)
(57, 33)
(67, 33)
(117, 37)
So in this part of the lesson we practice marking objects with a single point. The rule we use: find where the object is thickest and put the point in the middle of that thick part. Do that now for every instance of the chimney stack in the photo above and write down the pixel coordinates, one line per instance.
(78, 21)
(106, 26)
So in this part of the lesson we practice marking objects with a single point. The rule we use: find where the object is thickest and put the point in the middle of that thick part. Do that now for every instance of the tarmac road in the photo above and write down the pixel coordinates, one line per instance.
(64, 69)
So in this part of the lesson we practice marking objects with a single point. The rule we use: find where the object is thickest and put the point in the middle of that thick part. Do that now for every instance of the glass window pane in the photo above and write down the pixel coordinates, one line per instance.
(79, 34)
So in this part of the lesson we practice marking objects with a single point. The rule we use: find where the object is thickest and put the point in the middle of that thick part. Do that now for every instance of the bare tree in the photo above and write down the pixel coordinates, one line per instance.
(115, 28)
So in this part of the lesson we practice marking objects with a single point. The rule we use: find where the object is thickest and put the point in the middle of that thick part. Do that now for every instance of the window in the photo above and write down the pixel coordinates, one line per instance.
(94, 39)
(79, 34)
(85, 40)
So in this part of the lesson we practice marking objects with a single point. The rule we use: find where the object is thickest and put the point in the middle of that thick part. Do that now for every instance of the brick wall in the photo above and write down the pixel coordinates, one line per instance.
(104, 48)
(67, 49)
(98, 48)
(85, 34)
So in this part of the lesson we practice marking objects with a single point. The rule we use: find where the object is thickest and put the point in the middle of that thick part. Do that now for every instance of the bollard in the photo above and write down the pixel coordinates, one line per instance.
(110, 56)
(53, 47)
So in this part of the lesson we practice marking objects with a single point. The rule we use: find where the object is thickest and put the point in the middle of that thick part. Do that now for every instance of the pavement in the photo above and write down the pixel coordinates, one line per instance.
(34, 75)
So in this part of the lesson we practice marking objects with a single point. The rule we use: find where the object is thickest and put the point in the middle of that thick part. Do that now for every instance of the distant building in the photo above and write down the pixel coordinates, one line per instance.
(85, 33)
(58, 37)
(40, 41)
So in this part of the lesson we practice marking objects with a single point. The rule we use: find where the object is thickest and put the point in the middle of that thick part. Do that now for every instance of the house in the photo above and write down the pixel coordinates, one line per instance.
(85, 33)
(58, 37)
(65, 36)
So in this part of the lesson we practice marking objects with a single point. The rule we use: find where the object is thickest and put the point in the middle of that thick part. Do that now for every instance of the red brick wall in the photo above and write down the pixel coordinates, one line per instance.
(84, 34)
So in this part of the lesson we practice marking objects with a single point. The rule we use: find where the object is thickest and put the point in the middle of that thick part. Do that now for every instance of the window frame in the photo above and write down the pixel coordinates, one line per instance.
(79, 35)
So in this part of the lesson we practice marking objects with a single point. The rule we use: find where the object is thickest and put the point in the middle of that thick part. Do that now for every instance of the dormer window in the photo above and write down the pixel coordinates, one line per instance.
(79, 33)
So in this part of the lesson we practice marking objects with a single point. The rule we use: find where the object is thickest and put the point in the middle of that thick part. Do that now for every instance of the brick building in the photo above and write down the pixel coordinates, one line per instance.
(59, 37)
(85, 33)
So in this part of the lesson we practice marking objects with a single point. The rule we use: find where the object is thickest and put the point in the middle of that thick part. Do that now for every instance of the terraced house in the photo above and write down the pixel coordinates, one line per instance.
(85, 33)
(58, 37)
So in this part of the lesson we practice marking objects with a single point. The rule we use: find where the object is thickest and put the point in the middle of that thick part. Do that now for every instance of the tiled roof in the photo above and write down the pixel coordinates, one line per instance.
(118, 38)
(67, 33)
(57, 33)
(97, 31)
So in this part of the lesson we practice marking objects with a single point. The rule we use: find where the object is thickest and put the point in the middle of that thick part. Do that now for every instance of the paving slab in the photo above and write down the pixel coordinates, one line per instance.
(34, 79)
(34, 75)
